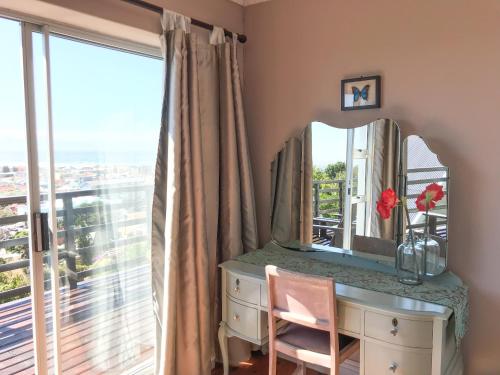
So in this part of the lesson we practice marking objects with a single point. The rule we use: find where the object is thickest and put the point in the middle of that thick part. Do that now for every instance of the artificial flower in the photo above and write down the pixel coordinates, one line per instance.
(388, 200)
(383, 210)
(432, 194)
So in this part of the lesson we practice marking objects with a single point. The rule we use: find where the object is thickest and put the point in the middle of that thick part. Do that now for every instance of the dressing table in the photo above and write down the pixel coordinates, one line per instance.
(398, 335)
(324, 222)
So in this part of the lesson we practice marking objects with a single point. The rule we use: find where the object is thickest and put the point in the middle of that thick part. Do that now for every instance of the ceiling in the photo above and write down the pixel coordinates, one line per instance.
(248, 2)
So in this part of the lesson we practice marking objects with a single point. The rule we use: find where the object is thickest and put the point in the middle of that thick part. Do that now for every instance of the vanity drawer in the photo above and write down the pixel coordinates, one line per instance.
(243, 319)
(410, 333)
(382, 360)
(349, 318)
(243, 289)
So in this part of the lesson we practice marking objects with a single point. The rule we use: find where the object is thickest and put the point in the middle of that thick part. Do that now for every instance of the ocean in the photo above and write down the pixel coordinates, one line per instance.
(130, 158)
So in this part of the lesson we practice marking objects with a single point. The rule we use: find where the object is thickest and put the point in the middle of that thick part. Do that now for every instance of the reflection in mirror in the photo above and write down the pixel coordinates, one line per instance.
(351, 167)
(327, 180)
(291, 184)
(326, 183)
(329, 161)
(422, 167)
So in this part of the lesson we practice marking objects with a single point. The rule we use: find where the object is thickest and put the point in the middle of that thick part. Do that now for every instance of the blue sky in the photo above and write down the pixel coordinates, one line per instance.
(103, 100)
(329, 144)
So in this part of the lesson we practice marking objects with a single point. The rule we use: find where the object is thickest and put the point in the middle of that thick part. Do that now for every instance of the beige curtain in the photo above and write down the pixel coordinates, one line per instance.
(291, 191)
(203, 204)
(385, 174)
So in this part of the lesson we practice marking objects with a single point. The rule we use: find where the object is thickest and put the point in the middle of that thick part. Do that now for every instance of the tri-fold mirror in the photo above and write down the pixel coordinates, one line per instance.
(327, 180)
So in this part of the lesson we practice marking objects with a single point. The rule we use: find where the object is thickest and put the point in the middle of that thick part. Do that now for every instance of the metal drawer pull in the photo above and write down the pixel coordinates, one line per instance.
(236, 317)
(237, 288)
(395, 330)
(393, 367)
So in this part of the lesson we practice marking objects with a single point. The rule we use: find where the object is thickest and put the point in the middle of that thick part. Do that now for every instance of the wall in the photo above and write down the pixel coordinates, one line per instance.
(120, 19)
(440, 67)
(219, 12)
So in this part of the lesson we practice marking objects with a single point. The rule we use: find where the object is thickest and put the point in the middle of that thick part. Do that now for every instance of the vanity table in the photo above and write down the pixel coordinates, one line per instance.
(325, 184)
(398, 335)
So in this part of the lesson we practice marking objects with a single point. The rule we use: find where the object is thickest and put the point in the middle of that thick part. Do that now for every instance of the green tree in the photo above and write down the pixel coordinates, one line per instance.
(20, 249)
(329, 192)
(84, 240)
(336, 171)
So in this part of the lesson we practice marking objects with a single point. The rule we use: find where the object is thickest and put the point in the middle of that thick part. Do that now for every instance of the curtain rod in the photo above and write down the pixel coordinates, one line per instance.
(242, 38)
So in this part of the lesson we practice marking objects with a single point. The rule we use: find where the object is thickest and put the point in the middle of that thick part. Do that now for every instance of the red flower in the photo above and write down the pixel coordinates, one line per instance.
(427, 199)
(384, 212)
(386, 203)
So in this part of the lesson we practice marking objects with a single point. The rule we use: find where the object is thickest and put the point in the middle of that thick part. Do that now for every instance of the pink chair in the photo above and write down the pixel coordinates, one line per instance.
(309, 304)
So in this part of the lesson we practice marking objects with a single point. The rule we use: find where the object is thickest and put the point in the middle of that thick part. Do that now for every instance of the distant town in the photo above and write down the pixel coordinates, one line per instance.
(68, 178)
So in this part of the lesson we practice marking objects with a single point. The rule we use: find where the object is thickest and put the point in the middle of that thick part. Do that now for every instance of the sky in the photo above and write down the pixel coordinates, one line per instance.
(329, 144)
(104, 101)
(106, 104)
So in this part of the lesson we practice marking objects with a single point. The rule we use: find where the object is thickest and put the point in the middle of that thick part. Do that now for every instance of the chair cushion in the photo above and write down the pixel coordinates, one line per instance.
(311, 339)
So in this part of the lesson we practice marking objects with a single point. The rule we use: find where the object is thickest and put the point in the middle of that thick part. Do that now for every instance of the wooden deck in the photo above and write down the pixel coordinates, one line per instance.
(107, 327)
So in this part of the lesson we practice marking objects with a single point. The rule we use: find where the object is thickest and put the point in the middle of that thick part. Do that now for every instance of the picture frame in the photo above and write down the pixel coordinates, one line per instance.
(360, 93)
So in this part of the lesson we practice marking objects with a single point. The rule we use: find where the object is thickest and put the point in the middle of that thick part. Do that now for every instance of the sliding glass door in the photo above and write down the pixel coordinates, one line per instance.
(16, 328)
(94, 114)
(106, 113)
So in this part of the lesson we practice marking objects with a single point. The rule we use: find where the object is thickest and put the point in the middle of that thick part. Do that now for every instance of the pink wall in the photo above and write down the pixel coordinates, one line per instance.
(440, 67)
(439, 62)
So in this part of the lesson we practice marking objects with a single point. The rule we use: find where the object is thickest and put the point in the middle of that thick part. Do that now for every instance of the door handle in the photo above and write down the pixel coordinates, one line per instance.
(41, 231)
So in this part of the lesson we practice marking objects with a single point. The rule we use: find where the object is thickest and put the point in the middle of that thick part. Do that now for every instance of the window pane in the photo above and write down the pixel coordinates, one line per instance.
(16, 339)
(106, 110)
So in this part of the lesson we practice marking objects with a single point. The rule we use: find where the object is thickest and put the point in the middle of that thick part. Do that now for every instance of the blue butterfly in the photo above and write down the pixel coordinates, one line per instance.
(363, 92)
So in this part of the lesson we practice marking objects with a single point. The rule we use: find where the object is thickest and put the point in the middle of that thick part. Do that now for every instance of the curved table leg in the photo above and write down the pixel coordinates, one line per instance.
(223, 347)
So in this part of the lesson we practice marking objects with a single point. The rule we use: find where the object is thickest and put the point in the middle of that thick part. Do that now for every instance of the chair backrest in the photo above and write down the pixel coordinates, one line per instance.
(302, 299)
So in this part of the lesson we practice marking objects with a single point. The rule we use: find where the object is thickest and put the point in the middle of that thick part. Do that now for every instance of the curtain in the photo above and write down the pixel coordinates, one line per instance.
(203, 204)
(385, 174)
(291, 191)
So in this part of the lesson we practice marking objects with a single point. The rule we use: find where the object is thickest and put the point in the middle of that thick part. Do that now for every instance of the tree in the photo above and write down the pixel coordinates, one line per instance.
(330, 197)
(319, 174)
(336, 171)
(20, 249)
(86, 240)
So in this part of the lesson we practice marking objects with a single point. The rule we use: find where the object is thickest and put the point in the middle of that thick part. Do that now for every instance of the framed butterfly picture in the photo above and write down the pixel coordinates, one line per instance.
(360, 93)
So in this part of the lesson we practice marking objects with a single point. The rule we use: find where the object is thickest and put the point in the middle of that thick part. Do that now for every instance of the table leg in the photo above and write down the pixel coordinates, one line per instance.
(223, 347)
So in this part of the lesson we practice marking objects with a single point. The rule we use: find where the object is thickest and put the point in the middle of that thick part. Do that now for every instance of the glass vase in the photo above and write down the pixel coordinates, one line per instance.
(428, 255)
(408, 264)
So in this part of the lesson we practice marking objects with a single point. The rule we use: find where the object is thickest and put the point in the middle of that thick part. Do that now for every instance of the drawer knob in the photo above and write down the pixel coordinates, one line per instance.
(236, 317)
(237, 287)
(393, 367)
(394, 330)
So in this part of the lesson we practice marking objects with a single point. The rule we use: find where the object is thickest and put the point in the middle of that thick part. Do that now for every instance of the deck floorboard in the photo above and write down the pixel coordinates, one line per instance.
(107, 327)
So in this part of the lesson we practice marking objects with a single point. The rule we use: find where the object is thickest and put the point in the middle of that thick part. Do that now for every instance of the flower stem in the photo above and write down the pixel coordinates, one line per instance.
(412, 238)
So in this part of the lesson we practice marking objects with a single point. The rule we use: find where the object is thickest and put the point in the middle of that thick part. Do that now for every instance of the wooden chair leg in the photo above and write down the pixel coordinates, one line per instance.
(272, 361)
(301, 368)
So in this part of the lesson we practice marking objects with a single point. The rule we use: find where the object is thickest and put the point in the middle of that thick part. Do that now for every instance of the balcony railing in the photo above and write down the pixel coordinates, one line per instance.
(129, 228)
(328, 208)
